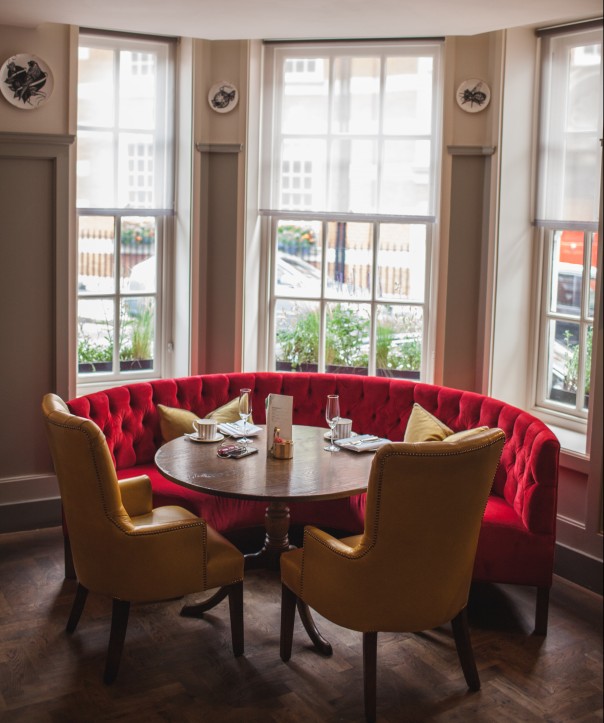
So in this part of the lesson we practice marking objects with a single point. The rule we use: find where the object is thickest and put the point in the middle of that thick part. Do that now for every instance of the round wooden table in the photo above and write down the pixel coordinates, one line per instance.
(312, 474)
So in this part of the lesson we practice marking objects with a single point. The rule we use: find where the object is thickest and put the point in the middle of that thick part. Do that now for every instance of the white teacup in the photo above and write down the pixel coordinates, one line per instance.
(343, 428)
(206, 428)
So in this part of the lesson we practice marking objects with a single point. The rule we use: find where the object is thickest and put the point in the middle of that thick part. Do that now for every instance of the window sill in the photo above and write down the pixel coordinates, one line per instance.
(573, 448)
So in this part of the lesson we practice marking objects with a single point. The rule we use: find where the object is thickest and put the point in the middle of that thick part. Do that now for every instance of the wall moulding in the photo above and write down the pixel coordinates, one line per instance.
(40, 138)
(471, 150)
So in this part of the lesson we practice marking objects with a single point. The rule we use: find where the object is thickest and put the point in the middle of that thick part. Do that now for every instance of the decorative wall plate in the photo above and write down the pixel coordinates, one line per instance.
(26, 81)
(223, 97)
(473, 95)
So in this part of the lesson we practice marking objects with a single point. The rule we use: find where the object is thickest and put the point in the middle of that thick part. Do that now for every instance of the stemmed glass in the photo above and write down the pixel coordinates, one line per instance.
(245, 411)
(332, 416)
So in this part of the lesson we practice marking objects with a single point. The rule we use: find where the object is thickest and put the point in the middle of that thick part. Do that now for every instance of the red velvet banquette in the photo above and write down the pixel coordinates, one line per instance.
(517, 538)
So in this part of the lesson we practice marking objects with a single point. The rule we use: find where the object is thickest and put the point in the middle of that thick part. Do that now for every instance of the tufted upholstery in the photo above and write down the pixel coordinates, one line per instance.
(517, 538)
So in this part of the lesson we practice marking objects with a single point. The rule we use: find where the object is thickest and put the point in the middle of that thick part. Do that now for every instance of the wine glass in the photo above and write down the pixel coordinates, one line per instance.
(245, 411)
(332, 416)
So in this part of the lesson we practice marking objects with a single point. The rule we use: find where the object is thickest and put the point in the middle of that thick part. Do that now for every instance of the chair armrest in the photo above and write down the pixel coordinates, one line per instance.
(136, 495)
(315, 539)
(160, 561)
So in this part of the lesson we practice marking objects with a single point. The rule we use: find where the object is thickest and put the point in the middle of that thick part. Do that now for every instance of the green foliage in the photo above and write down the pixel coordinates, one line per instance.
(347, 334)
(136, 341)
(571, 374)
(300, 345)
(346, 331)
(91, 352)
(137, 338)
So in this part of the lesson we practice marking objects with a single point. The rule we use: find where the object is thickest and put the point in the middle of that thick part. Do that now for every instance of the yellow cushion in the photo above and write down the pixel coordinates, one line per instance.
(425, 427)
(229, 412)
(175, 422)
(463, 434)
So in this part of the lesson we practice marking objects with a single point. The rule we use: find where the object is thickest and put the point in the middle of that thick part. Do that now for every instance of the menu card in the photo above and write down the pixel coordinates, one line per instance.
(279, 413)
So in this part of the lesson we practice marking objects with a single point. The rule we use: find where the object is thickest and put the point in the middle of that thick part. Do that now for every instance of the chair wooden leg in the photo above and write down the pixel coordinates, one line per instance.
(461, 633)
(76, 609)
(542, 610)
(288, 615)
(70, 573)
(370, 675)
(119, 623)
(236, 613)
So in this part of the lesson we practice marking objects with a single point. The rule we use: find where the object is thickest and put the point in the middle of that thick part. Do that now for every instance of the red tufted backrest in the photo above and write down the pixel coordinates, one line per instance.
(527, 476)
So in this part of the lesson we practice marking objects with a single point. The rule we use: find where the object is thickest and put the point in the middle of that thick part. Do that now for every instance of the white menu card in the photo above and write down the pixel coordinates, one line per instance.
(279, 413)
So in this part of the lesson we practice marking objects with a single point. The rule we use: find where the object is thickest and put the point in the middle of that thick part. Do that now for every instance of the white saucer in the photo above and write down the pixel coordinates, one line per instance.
(194, 438)
(327, 435)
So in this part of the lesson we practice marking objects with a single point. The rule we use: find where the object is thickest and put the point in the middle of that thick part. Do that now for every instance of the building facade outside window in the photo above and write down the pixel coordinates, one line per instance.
(352, 137)
(124, 203)
(567, 217)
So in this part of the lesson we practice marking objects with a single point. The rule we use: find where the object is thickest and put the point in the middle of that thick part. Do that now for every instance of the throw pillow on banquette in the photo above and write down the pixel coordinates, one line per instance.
(425, 427)
(175, 422)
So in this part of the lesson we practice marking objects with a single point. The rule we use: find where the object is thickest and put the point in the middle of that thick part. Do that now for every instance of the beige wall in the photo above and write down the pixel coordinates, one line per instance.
(51, 43)
(487, 154)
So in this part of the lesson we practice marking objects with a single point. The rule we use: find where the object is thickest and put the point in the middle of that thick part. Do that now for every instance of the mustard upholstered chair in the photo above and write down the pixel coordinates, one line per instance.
(124, 548)
(411, 568)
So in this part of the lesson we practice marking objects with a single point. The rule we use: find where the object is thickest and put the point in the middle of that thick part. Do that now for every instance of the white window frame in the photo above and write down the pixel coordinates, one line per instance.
(272, 213)
(559, 414)
(162, 210)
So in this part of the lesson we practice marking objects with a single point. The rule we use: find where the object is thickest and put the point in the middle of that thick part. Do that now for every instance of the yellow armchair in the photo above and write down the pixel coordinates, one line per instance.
(411, 568)
(121, 545)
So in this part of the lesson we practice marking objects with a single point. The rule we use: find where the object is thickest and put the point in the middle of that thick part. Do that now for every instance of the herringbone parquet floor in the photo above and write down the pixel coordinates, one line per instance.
(181, 670)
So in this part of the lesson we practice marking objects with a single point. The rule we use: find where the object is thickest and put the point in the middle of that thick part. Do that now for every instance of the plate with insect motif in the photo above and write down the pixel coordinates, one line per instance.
(473, 95)
(26, 81)
(223, 97)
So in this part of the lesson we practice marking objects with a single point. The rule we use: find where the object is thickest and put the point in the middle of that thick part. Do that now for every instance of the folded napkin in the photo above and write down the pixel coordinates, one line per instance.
(362, 443)
(235, 429)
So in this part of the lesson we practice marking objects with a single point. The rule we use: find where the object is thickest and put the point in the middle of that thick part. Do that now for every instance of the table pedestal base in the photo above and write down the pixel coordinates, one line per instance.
(276, 540)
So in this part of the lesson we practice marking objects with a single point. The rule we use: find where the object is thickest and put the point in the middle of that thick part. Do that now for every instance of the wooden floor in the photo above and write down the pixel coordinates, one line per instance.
(178, 669)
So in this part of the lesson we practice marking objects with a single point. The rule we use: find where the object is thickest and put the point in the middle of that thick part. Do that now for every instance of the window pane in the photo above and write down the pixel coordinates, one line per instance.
(563, 361)
(567, 272)
(356, 95)
(408, 96)
(95, 335)
(349, 259)
(305, 95)
(297, 335)
(298, 268)
(137, 333)
(138, 255)
(590, 331)
(571, 127)
(584, 91)
(96, 255)
(95, 87)
(405, 182)
(402, 262)
(592, 275)
(95, 170)
(137, 90)
(580, 194)
(398, 341)
(347, 338)
(136, 166)
(302, 177)
(354, 172)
